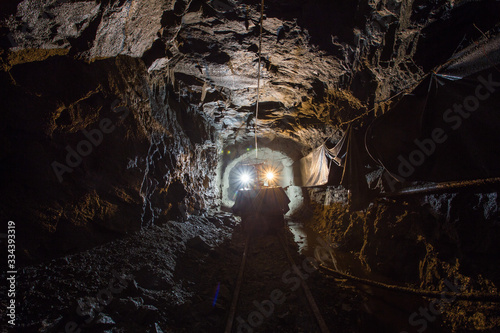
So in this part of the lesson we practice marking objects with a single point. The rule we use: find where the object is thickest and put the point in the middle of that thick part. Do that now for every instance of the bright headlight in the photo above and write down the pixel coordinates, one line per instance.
(270, 175)
(245, 178)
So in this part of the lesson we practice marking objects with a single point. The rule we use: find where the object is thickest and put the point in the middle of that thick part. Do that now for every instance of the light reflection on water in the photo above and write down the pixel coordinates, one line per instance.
(299, 235)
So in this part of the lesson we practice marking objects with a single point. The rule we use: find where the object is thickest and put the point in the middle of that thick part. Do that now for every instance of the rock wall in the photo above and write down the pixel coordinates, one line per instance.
(95, 150)
(421, 241)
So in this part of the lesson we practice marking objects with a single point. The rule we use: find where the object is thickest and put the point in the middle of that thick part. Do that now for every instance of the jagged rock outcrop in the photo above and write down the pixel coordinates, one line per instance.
(103, 153)
(422, 241)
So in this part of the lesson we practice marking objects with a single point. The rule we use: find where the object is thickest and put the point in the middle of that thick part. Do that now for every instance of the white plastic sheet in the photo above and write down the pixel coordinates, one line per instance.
(315, 167)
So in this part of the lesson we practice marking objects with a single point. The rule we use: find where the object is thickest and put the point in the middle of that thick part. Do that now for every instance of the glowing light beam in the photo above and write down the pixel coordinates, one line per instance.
(245, 178)
(270, 176)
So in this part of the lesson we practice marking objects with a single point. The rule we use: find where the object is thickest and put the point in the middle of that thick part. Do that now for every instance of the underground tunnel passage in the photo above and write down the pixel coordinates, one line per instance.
(250, 166)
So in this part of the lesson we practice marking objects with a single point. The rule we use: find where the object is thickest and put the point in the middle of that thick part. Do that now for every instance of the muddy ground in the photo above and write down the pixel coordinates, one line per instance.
(180, 276)
(166, 279)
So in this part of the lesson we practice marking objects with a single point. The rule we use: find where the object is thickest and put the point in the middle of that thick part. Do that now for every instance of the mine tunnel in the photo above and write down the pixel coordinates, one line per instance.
(250, 166)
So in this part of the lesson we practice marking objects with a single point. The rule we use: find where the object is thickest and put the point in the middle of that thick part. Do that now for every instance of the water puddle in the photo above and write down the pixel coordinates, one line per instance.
(299, 235)
(310, 242)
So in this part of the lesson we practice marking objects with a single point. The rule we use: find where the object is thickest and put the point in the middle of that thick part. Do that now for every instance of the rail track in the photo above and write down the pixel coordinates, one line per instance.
(377, 306)
(293, 288)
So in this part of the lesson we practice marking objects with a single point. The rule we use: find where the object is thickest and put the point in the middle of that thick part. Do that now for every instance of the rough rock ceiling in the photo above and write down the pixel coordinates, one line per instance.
(208, 50)
(324, 63)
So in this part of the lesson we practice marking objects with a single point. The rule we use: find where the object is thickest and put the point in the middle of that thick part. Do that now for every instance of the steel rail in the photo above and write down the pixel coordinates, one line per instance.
(307, 292)
(236, 294)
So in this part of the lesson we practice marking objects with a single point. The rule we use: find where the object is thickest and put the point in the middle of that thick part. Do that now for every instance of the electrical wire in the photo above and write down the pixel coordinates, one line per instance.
(258, 78)
(407, 89)
(462, 295)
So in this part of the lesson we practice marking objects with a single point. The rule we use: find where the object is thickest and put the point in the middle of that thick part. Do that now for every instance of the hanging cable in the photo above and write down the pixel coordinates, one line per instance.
(460, 295)
(258, 78)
